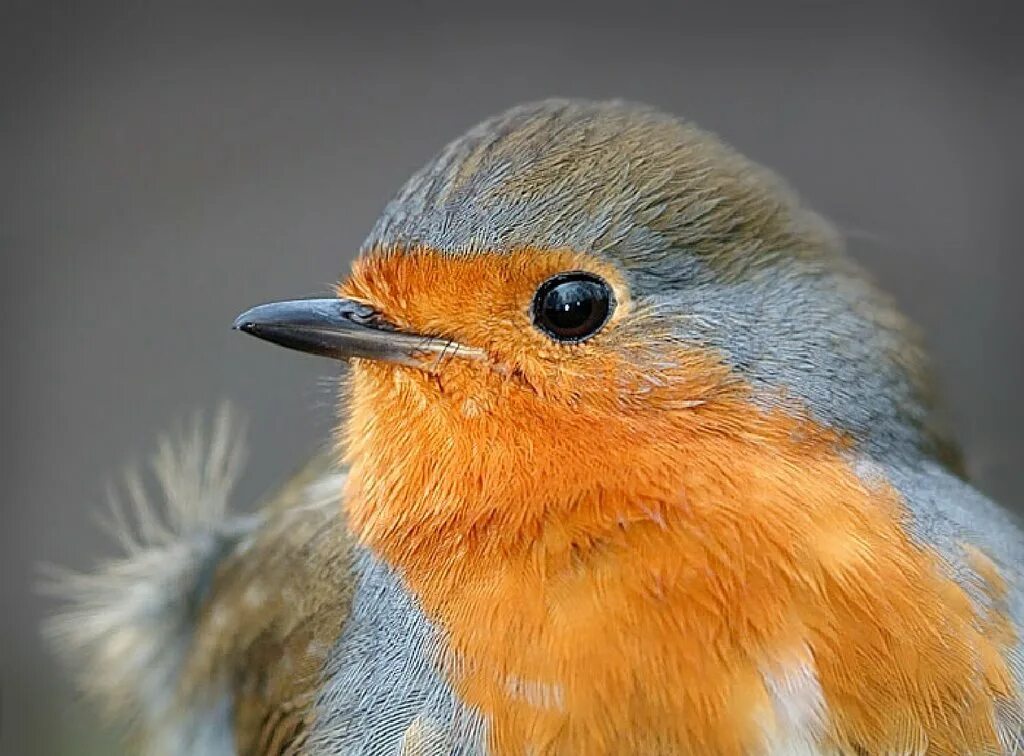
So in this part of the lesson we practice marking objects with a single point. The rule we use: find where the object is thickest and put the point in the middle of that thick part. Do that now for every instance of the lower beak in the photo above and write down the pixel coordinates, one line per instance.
(343, 329)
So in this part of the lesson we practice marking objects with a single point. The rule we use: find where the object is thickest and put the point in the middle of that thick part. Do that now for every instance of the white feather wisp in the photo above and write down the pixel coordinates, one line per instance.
(126, 627)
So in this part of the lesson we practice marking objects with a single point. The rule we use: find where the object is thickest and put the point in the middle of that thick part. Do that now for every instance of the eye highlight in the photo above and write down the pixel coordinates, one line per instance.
(571, 307)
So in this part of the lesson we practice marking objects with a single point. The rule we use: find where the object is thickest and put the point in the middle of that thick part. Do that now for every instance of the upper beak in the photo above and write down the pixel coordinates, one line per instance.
(343, 329)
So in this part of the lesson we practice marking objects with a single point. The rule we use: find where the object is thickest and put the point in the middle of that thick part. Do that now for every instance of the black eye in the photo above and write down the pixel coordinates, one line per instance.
(572, 307)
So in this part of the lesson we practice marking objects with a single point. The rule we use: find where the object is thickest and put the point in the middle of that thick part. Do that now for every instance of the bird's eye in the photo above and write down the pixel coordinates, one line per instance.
(572, 307)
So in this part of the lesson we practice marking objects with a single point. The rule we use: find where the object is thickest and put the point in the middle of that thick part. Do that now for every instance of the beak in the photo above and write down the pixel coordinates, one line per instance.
(343, 329)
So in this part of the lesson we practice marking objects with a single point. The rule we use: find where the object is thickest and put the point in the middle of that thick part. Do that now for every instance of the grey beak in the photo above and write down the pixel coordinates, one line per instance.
(342, 329)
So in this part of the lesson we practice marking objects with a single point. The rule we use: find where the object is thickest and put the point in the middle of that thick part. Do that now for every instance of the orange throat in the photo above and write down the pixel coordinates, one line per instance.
(620, 566)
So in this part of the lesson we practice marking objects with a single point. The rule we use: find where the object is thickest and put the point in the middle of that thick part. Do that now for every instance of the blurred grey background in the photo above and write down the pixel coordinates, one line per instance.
(165, 167)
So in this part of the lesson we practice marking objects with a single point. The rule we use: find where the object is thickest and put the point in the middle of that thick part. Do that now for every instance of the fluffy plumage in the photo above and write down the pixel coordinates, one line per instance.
(208, 634)
(729, 523)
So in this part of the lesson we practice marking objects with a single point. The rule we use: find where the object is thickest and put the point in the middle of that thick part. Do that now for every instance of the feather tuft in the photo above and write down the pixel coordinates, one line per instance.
(126, 627)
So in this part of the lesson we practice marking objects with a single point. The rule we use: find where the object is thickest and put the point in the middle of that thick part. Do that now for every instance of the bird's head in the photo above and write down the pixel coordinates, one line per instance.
(572, 295)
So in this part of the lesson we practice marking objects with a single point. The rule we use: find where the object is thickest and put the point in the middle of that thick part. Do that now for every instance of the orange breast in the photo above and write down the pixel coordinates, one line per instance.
(639, 620)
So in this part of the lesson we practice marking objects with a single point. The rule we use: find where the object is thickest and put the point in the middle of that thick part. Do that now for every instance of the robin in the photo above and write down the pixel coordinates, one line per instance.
(634, 461)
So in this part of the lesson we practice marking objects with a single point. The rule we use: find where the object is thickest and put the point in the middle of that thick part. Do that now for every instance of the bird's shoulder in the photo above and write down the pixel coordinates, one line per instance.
(323, 648)
(959, 522)
(981, 546)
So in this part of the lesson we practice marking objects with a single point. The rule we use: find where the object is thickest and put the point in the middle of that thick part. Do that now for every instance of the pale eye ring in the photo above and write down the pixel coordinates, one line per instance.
(573, 306)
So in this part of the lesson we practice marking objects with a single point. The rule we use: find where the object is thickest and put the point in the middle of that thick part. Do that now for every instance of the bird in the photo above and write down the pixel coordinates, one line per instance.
(633, 458)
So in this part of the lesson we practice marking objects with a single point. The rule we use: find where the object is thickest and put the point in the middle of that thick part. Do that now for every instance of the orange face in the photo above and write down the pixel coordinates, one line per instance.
(535, 415)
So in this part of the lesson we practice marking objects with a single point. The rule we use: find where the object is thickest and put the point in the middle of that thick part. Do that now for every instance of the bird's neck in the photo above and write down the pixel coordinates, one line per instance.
(422, 496)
